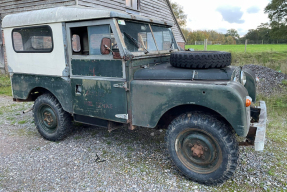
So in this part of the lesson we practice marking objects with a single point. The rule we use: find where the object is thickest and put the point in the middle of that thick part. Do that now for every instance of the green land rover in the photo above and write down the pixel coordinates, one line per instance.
(113, 69)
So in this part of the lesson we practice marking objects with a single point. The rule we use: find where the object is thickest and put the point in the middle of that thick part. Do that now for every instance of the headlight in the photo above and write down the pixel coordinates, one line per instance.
(243, 78)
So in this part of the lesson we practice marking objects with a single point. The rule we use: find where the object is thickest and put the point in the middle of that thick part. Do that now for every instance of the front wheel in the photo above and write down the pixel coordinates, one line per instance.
(202, 148)
(52, 122)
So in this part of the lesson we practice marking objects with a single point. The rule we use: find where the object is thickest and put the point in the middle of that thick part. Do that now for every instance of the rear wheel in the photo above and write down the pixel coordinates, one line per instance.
(52, 122)
(202, 148)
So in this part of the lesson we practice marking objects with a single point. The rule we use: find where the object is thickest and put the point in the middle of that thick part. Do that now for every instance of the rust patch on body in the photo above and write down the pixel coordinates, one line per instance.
(197, 150)
(48, 118)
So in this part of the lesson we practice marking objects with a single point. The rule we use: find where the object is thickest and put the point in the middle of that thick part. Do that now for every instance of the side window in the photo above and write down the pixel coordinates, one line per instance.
(96, 34)
(87, 40)
(32, 39)
(17, 41)
(134, 4)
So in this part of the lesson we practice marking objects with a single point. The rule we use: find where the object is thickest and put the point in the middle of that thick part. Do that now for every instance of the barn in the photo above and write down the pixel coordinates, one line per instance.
(160, 9)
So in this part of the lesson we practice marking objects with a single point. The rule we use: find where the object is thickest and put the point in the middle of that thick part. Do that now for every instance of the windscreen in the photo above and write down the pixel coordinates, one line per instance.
(139, 37)
(164, 38)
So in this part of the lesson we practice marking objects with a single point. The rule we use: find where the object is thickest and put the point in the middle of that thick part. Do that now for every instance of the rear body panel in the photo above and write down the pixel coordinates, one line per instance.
(23, 85)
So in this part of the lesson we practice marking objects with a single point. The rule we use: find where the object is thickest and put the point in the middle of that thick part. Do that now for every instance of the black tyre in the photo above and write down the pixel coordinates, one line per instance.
(204, 149)
(52, 122)
(200, 59)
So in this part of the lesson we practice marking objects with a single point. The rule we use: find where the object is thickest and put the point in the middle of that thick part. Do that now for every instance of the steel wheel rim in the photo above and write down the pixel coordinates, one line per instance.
(198, 151)
(48, 118)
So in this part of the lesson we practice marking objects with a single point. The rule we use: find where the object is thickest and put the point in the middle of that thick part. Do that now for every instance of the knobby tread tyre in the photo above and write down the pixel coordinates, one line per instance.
(200, 59)
(64, 119)
(224, 136)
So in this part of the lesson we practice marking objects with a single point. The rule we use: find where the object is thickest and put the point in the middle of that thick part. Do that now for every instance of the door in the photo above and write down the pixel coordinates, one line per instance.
(97, 80)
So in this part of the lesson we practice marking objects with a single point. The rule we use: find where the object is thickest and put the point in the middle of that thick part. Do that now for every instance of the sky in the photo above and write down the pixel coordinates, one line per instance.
(221, 15)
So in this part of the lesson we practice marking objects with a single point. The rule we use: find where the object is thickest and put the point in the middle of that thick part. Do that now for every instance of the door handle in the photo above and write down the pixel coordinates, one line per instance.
(78, 89)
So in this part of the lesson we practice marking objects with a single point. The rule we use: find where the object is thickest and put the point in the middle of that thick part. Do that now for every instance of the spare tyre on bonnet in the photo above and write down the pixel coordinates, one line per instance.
(200, 59)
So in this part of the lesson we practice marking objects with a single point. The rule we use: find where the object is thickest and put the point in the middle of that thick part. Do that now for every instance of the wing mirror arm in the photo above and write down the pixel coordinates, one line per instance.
(108, 48)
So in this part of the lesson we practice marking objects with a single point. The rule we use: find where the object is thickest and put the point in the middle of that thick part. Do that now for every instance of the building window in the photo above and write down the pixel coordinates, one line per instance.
(134, 4)
(32, 39)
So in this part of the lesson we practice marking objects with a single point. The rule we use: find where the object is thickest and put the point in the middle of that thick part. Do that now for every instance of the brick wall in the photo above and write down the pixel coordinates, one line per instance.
(182, 45)
(5, 58)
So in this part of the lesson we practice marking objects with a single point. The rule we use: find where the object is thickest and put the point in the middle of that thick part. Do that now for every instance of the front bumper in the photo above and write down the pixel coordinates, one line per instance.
(261, 128)
(257, 130)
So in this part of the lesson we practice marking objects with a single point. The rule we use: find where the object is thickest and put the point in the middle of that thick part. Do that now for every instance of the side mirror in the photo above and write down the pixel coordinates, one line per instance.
(105, 46)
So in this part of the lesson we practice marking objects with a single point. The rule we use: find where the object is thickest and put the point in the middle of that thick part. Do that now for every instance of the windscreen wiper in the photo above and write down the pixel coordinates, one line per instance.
(136, 42)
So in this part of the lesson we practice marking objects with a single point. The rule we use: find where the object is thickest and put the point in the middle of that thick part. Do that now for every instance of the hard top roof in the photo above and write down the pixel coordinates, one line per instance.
(62, 14)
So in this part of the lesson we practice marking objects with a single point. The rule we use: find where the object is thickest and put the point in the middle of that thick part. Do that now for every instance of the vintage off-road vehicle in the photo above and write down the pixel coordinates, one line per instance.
(111, 69)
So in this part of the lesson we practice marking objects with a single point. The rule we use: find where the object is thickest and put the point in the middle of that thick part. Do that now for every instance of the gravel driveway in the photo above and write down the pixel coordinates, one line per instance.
(92, 159)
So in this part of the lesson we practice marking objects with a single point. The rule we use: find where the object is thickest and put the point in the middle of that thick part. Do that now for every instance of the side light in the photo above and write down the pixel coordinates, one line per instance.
(248, 102)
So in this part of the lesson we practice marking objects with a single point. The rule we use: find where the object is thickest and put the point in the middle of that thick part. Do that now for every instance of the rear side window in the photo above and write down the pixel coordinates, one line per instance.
(33, 39)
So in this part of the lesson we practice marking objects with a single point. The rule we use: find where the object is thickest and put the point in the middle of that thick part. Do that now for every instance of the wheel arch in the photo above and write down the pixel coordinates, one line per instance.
(35, 92)
(27, 87)
(176, 111)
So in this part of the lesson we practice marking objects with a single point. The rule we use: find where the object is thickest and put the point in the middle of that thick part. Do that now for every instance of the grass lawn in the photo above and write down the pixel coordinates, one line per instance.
(5, 85)
(241, 48)
(272, 56)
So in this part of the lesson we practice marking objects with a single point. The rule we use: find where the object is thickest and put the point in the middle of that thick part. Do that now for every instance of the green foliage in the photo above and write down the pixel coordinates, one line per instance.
(276, 110)
(277, 13)
(276, 10)
(22, 122)
(253, 34)
(5, 85)
(211, 35)
(179, 14)
(233, 33)
(272, 56)
(241, 48)
(269, 33)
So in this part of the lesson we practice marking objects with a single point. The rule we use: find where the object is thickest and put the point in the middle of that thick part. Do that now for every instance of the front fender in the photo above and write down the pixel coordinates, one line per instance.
(250, 83)
(151, 99)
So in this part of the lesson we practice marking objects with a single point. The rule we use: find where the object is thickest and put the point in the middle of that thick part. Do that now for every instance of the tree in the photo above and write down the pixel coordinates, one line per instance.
(233, 33)
(230, 40)
(264, 31)
(277, 10)
(277, 13)
(179, 14)
(185, 33)
(253, 35)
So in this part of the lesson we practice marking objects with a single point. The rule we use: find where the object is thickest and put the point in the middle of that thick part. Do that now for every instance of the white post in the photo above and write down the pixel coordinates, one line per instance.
(195, 43)
(245, 44)
(205, 44)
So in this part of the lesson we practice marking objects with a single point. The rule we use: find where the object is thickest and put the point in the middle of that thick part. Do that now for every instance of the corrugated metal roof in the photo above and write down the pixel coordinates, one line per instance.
(62, 14)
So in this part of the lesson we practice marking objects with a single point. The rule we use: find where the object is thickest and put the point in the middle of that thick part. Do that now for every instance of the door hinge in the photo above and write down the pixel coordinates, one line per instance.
(122, 116)
(121, 85)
